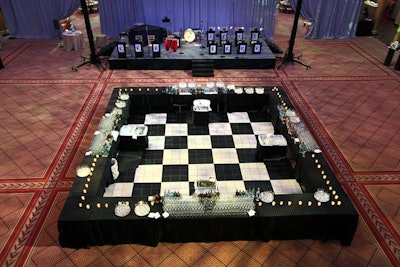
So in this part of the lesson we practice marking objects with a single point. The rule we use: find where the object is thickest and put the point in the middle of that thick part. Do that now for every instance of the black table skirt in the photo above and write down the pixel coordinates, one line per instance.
(80, 227)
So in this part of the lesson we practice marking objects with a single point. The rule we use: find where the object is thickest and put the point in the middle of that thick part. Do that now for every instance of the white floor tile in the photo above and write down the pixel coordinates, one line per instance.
(262, 128)
(156, 143)
(175, 156)
(244, 140)
(225, 155)
(200, 171)
(254, 171)
(148, 174)
(286, 186)
(238, 117)
(223, 128)
(230, 187)
(199, 142)
(176, 129)
(155, 118)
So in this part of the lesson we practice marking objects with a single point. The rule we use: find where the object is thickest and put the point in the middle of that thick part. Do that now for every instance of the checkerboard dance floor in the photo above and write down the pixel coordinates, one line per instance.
(180, 153)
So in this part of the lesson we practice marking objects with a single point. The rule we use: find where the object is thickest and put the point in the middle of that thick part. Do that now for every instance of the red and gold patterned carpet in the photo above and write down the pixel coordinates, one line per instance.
(48, 114)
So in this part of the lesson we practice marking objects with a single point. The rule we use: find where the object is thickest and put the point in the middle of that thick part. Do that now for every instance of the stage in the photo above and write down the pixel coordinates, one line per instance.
(188, 52)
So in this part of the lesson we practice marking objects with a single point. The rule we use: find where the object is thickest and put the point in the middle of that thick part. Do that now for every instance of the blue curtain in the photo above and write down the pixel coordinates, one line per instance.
(117, 16)
(34, 19)
(331, 19)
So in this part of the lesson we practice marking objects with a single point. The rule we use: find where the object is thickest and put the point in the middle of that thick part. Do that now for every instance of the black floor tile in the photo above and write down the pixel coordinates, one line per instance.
(146, 189)
(176, 117)
(156, 130)
(222, 141)
(175, 173)
(241, 128)
(198, 129)
(281, 169)
(259, 116)
(228, 172)
(137, 119)
(152, 157)
(175, 142)
(198, 156)
(247, 155)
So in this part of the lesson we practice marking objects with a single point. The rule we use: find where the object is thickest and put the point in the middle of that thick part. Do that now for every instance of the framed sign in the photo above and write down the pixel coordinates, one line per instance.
(210, 37)
(156, 49)
(223, 36)
(227, 48)
(256, 48)
(242, 47)
(212, 49)
(255, 34)
(239, 35)
(121, 50)
(138, 50)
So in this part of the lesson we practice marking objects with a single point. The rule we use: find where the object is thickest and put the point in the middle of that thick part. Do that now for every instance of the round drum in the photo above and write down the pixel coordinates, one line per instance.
(189, 35)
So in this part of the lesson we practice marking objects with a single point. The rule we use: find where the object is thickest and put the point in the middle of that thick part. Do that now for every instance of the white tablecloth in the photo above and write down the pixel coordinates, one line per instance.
(73, 40)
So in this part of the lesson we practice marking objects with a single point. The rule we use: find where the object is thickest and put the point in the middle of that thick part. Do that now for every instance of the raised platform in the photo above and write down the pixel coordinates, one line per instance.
(182, 59)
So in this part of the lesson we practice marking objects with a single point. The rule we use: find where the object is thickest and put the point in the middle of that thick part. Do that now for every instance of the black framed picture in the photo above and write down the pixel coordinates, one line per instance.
(121, 50)
(212, 49)
(138, 50)
(156, 49)
(210, 37)
(254, 36)
(223, 36)
(256, 48)
(227, 48)
(242, 47)
(239, 35)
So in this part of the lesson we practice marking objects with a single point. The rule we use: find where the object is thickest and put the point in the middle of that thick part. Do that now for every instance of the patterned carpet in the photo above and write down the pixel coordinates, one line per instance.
(49, 113)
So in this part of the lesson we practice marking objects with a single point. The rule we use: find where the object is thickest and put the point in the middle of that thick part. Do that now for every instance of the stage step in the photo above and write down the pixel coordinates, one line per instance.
(203, 68)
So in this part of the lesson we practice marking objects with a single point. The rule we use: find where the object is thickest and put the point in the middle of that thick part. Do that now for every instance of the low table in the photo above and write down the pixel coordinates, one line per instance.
(133, 137)
(271, 146)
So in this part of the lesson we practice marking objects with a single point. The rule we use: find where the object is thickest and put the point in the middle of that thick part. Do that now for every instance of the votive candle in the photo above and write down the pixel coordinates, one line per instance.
(339, 203)
(106, 205)
(309, 203)
(80, 205)
(98, 205)
(273, 203)
(300, 202)
(87, 206)
(319, 204)
(289, 203)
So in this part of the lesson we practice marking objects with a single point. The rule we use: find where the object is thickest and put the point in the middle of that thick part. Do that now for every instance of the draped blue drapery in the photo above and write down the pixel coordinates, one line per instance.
(331, 19)
(117, 16)
(34, 19)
